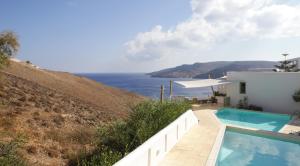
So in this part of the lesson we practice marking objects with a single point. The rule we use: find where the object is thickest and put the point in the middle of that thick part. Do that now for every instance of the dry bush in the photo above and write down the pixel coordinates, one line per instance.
(82, 135)
(55, 135)
(58, 120)
(31, 149)
(71, 143)
(7, 122)
(52, 152)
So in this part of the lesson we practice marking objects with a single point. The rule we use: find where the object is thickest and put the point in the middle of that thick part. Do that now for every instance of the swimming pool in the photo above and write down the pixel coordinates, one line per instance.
(258, 120)
(242, 149)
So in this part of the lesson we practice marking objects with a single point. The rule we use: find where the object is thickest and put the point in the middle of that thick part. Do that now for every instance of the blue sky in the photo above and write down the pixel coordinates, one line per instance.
(143, 36)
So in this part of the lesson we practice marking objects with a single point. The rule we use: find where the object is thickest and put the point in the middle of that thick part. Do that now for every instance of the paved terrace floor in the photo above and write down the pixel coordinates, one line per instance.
(195, 146)
(292, 127)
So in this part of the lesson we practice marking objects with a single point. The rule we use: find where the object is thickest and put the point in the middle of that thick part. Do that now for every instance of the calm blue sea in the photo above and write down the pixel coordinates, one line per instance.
(145, 85)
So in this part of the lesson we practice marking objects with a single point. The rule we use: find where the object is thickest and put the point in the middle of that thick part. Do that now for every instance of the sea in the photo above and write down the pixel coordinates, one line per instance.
(146, 85)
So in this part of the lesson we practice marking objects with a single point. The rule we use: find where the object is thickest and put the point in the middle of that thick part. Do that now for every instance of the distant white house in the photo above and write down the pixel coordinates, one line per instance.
(22, 62)
(272, 91)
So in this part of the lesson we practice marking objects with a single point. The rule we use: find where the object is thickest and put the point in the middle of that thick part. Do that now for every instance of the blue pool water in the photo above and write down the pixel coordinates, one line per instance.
(258, 120)
(240, 149)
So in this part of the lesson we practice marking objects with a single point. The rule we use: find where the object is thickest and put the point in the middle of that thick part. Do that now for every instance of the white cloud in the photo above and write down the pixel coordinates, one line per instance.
(214, 22)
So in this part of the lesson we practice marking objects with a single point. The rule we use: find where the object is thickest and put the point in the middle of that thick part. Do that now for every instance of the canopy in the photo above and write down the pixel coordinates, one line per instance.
(202, 83)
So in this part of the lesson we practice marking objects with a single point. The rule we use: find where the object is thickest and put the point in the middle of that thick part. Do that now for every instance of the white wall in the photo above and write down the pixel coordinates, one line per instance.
(155, 148)
(271, 90)
(297, 62)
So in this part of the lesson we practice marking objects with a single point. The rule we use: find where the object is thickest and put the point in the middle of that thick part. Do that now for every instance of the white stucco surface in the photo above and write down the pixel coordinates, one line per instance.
(297, 60)
(271, 90)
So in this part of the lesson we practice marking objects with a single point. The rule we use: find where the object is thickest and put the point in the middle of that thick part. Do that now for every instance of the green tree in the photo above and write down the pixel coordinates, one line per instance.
(9, 46)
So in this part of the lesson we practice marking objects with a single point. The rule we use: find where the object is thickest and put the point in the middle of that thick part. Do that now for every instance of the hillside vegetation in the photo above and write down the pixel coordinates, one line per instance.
(116, 140)
(55, 113)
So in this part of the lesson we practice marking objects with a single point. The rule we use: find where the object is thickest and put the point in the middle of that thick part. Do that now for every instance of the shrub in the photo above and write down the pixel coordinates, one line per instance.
(7, 122)
(150, 117)
(243, 104)
(103, 157)
(8, 153)
(79, 135)
(217, 93)
(296, 96)
(115, 140)
(255, 108)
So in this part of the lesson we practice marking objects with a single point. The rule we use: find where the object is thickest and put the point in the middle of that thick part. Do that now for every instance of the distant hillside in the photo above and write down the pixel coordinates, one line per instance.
(215, 69)
(58, 112)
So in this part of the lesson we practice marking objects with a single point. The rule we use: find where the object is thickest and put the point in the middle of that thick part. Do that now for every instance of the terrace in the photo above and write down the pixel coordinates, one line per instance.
(202, 143)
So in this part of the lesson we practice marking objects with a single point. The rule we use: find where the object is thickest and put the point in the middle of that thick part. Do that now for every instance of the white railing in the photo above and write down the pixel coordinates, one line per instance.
(155, 148)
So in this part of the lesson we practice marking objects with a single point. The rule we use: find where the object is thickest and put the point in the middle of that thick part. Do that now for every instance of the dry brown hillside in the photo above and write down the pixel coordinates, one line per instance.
(56, 112)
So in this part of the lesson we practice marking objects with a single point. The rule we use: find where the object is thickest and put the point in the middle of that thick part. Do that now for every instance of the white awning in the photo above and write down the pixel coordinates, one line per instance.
(202, 83)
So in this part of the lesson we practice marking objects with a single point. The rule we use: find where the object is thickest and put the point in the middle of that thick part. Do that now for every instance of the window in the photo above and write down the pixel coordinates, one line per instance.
(242, 87)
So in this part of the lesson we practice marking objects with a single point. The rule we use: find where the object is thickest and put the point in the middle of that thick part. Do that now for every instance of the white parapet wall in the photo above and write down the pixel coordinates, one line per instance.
(151, 152)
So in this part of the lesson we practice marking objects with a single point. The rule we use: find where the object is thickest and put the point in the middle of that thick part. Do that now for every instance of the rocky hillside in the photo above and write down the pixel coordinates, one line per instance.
(57, 113)
(215, 69)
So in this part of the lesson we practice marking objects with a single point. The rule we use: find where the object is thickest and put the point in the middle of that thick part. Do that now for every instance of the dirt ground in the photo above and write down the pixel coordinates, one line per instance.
(56, 112)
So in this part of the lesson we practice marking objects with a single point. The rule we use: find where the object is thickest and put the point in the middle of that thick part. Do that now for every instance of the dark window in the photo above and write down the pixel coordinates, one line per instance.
(242, 87)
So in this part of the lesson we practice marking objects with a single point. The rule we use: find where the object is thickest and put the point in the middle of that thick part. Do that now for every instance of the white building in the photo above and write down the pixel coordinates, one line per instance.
(272, 91)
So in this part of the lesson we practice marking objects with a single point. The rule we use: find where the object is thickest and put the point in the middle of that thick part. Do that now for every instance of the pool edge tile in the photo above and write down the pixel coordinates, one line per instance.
(212, 158)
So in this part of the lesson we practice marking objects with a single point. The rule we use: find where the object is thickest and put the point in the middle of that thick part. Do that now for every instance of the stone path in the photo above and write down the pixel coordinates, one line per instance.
(195, 146)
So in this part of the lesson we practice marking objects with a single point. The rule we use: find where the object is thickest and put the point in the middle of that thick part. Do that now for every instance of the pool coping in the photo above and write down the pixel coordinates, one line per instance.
(273, 135)
(213, 156)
